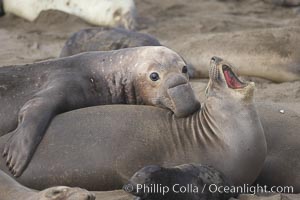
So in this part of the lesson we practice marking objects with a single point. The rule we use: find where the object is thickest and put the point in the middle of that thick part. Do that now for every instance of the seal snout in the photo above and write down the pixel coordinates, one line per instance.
(175, 80)
(214, 73)
(216, 60)
(183, 99)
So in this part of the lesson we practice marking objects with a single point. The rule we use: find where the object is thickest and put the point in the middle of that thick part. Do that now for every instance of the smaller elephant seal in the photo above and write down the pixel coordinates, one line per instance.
(12, 190)
(188, 181)
(31, 95)
(105, 39)
(112, 13)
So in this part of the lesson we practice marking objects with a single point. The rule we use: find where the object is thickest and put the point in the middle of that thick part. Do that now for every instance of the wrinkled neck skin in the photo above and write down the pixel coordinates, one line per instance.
(228, 130)
(11, 190)
(118, 74)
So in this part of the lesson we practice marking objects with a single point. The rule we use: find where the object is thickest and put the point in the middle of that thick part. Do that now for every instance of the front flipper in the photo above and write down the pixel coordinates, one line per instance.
(33, 120)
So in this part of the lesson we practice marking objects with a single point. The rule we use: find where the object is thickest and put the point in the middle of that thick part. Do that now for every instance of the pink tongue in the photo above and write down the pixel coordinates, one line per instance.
(232, 82)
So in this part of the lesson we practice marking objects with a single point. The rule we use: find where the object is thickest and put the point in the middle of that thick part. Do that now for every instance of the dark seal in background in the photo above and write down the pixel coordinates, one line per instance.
(1, 8)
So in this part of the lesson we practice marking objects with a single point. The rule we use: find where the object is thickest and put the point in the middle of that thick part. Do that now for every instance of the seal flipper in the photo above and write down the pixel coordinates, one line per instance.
(34, 118)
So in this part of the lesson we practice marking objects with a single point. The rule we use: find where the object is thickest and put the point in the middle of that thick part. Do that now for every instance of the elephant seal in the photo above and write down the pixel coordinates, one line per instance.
(266, 53)
(105, 39)
(31, 95)
(98, 12)
(121, 139)
(188, 181)
(12, 190)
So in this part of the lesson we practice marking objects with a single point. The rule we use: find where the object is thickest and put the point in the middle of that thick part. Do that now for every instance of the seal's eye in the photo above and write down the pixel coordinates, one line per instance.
(154, 76)
(184, 69)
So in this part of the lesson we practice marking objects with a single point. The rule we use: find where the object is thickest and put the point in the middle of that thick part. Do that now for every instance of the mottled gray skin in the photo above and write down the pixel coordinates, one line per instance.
(195, 176)
(31, 95)
(266, 53)
(12, 190)
(105, 39)
(121, 139)
(282, 130)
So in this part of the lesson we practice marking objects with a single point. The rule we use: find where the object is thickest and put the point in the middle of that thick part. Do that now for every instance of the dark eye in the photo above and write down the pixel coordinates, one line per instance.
(154, 76)
(184, 69)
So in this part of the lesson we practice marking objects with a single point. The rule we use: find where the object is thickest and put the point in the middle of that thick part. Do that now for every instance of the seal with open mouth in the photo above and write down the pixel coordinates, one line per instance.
(31, 95)
(121, 139)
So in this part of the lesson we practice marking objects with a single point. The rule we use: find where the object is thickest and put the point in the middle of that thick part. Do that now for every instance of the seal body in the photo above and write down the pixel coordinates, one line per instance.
(121, 139)
(33, 94)
(105, 39)
(98, 12)
(188, 181)
(11, 189)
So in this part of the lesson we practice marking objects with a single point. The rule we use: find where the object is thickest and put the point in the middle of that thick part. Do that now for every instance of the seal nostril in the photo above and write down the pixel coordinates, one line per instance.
(216, 59)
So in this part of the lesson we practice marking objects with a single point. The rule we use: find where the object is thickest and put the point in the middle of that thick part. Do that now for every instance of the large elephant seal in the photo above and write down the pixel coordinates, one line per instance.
(98, 12)
(105, 39)
(12, 190)
(266, 53)
(188, 181)
(31, 95)
(121, 139)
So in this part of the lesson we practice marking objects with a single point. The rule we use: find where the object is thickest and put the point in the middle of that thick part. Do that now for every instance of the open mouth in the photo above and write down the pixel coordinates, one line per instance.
(231, 79)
